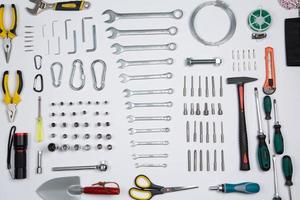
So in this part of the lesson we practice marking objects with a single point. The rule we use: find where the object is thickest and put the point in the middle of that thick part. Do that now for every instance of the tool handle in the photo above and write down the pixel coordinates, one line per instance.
(287, 167)
(39, 130)
(246, 188)
(6, 99)
(17, 98)
(69, 6)
(2, 27)
(102, 190)
(267, 107)
(14, 21)
(278, 140)
(243, 140)
(263, 153)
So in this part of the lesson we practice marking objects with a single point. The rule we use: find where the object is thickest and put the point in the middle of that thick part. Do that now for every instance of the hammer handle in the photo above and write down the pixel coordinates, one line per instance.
(243, 140)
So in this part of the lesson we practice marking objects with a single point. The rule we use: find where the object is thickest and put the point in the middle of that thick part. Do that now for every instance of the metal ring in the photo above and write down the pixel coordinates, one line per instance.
(227, 10)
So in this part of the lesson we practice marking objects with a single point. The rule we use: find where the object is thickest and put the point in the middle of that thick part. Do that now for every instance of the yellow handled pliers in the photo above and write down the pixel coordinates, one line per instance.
(8, 35)
(12, 102)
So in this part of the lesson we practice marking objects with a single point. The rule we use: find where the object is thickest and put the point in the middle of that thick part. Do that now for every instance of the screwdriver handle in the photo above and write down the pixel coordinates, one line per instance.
(246, 188)
(267, 107)
(263, 153)
(287, 167)
(70, 5)
(278, 139)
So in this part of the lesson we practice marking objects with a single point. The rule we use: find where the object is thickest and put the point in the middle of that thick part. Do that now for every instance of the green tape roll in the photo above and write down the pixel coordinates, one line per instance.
(259, 20)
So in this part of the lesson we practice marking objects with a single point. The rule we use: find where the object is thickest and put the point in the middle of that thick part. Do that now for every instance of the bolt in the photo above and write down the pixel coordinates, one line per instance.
(198, 112)
(206, 112)
(213, 109)
(192, 112)
(215, 61)
(185, 111)
(220, 111)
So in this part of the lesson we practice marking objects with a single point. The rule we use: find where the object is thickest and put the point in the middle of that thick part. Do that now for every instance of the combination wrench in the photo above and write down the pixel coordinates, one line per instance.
(131, 105)
(120, 48)
(113, 16)
(143, 143)
(149, 118)
(133, 131)
(129, 93)
(125, 78)
(124, 63)
(118, 33)
(138, 156)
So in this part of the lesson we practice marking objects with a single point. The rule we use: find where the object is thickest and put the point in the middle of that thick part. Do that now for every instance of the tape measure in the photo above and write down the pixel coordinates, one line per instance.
(259, 20)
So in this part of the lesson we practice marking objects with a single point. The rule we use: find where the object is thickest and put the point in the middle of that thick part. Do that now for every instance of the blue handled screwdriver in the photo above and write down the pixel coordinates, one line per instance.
(246, 188)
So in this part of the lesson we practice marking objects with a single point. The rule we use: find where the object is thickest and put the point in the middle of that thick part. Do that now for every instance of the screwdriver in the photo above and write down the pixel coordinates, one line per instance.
(278, 139)
(276, 194)
(39, 123)
(287, 167)
(268, 108)
(263, 151)
(246, 188)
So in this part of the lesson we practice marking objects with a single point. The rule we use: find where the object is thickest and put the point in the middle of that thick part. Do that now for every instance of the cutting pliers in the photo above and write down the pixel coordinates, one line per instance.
(8, 35)
(12, 102)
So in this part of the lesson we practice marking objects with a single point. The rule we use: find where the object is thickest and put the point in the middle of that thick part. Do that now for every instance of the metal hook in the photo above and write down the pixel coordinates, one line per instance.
(102, 81)
(82, 76)
(36, 78)
(38, 65)
(56, 83)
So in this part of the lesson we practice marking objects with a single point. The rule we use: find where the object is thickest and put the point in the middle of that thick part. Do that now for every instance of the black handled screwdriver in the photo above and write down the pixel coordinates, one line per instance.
(287, 168)
(268, 109)
(278, 139)
(263, 151)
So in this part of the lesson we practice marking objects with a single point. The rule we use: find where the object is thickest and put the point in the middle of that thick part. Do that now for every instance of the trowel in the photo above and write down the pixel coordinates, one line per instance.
(68, 188)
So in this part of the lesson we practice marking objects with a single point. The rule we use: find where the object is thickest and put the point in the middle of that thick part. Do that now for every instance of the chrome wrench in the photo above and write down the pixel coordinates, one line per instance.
(113, 16)
(129, 93)
(124, 63)
(150, 118)
(146, 143)
(138, 156)
(133, 131)
(118, 33)
(125, 78)
(120, 48)
(131, 105)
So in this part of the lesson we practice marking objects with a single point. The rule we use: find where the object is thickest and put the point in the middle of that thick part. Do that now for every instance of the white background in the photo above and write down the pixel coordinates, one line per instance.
(122, 168)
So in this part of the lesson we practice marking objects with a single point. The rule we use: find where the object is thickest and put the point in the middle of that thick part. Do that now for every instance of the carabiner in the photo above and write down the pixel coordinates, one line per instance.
(56, 83)
(82, 76)
(40, 78)
(38, 62)
(102, 81)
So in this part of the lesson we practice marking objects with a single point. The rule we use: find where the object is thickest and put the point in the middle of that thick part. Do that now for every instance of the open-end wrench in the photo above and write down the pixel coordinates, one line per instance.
(143, 143)
(124, 63)
(129, 93)
(138, 156)
(133, 131)
(176, 14)
(125, 78)
(150, 118)
(120, 48)
(131, 105)
(117, 32)
(137, 165)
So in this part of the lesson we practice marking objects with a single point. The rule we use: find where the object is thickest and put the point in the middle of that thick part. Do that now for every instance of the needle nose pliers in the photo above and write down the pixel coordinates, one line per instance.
(8, 35)
(12, 102)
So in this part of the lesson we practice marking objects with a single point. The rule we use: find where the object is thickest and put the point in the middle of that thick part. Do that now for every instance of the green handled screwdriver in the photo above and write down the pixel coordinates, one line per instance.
(278, 139)
(263, 151)
(268, 109)
(246, 188)
(287, 167)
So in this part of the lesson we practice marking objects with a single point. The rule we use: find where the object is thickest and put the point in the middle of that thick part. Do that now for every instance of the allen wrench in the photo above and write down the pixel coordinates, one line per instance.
(75, 43)
(58, 46)
(83, 26)
(66, 28)
(94, 40)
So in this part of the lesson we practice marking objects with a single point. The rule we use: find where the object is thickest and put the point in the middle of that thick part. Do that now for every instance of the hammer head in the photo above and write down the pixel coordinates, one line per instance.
(37, 8)
(240, 80)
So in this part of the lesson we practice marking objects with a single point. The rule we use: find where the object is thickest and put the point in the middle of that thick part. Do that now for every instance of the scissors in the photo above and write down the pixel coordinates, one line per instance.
(146, 189)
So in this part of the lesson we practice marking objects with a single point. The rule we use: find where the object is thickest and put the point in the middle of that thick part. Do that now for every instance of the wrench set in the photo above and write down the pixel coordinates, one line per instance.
(167, 92)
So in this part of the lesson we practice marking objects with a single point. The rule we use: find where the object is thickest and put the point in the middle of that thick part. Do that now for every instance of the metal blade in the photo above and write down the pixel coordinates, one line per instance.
(240, 80)
(57, 188)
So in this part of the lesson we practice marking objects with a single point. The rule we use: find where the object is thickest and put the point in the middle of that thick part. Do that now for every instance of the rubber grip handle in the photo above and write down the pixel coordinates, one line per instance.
(69, 6)
(101, 190)
(243, 140)
(14, 22)
(263, 153)
(278, 140)
(20, 164)
(246, 188)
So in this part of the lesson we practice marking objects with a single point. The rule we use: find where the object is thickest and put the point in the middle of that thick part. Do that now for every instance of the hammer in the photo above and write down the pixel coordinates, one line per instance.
(243, 140)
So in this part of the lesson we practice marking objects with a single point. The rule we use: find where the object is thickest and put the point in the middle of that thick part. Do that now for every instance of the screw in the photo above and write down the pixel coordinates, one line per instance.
(185, 111)
(222, 161)
(187, 129)
(215, 160)
(198, 112)
(192, 86)
(62, 114)
(39, 162)
(207, 132)
(206, 87)
(52, 147)
(189, 160)
(53, 104)
(80, 102)
(86, 147)
(62, 103)
(84, 112)
(97, 102)
(221, 86)
(213, 86)
(70, 103)
(220, 111)
(200, 161)
(199, 87)
(213, 108)
(206, 112)
(207, 161)
(184, 86)
(97, 113)
(222, 133)
(215, 61)
(192, 111)
(201, 132)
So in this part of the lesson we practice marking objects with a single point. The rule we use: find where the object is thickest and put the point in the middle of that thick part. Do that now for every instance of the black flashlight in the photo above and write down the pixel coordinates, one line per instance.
(20, 142)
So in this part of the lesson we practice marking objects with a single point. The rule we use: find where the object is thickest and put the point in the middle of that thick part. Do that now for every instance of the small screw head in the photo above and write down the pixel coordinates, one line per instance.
(53, 104)
(76, 124)
(99, 146)
(52, 147)
(99, 124)
(62, 114)
(53, 114)
(218, 61)
(109, 147)
(97, 113)
(75, 136)
(61, 103)
(87, 136)
(71, 103)
(74, 113)
(86, 124)
(108, 136)
(64, 136)
(76, 147)
(53, 125)
(99, 136)
(107, 124)
(53, 135)
(84, 112)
